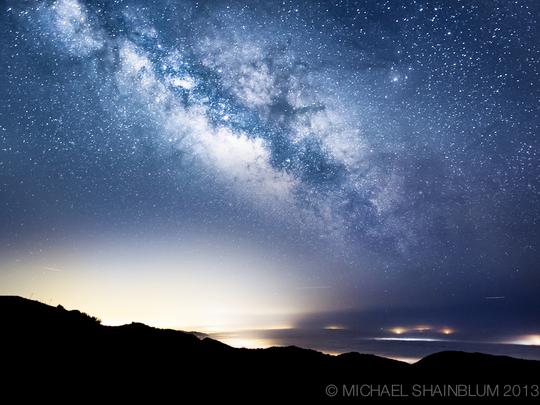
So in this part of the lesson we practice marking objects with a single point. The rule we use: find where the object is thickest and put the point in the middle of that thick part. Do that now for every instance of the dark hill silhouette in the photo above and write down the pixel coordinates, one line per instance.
(54, 353)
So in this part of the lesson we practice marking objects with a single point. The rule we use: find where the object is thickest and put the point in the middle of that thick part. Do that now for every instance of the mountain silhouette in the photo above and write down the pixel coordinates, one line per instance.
(50, 352)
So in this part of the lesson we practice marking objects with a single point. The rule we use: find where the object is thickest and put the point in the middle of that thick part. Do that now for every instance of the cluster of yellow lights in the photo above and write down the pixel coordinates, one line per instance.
(399, 330)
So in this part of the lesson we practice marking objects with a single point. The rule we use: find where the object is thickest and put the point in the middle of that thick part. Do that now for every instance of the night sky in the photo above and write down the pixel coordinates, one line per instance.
(286, 165)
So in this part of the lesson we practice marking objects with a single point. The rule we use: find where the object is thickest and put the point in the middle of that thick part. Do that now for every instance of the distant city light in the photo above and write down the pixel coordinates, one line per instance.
(527, 340)
(398, 330)
(334, 327)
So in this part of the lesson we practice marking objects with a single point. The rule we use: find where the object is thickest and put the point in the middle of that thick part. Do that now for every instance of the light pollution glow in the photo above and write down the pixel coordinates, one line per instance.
(232, 293)
(399, 330)
(197, 287)
(335, 327)
(526, 340)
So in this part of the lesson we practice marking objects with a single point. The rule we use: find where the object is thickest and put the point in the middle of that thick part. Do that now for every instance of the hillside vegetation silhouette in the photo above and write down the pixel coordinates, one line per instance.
(52, 352)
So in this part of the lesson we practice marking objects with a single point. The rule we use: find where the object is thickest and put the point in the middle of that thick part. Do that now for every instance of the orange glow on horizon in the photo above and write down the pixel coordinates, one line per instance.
(398, 330)
(201, 285)
(248, 342)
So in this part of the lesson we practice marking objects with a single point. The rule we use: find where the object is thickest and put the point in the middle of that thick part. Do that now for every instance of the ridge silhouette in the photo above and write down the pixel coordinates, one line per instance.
(52, 352)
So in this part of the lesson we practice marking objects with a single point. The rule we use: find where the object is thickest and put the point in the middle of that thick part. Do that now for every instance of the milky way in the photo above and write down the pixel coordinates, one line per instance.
(397, 142)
